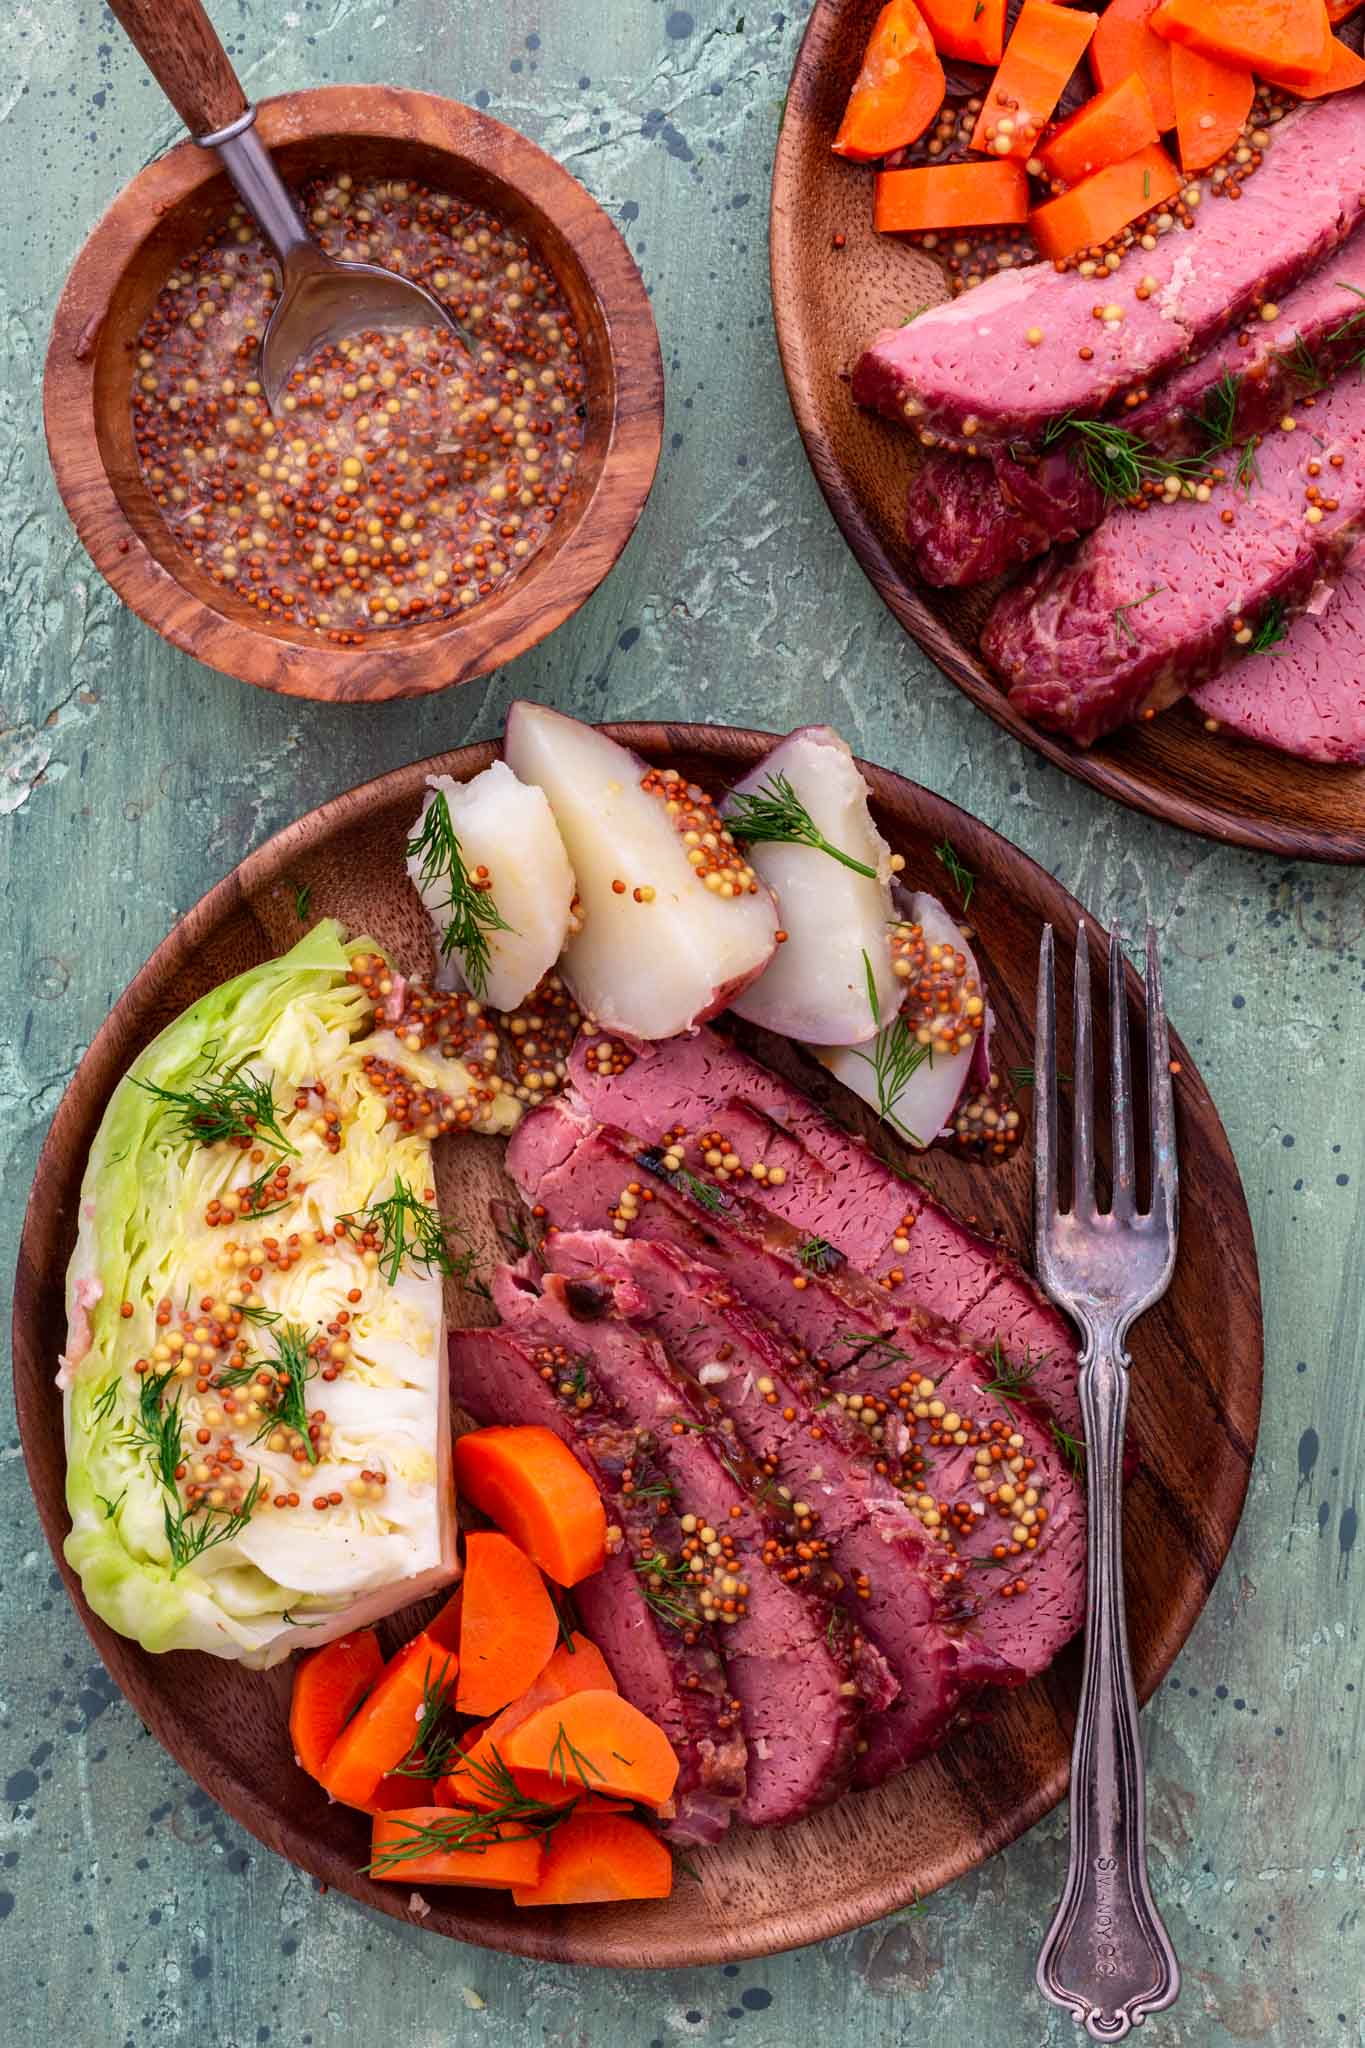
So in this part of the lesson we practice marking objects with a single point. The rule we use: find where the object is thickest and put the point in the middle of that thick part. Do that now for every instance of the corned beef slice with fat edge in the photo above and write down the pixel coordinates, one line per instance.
(965, 371)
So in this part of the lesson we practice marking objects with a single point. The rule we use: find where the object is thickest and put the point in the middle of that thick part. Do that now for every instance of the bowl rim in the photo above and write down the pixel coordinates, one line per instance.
(78, 1115)
(389, 665)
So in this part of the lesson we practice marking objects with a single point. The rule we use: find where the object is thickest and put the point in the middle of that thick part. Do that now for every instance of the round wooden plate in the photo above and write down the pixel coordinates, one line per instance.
(1196, 1401)
(828, 301)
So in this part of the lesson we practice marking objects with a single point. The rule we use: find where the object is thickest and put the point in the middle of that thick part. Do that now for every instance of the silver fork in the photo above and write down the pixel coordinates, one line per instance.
(1107, 1958)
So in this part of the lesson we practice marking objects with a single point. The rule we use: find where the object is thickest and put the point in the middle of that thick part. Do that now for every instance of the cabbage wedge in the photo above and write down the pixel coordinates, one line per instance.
(258, 1444)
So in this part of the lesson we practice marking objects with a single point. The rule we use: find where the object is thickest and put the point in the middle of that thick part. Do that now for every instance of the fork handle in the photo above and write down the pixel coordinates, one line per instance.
(1107, 1958)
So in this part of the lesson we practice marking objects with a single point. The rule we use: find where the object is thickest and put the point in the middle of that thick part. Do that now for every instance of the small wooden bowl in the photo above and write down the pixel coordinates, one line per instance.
(169, 208)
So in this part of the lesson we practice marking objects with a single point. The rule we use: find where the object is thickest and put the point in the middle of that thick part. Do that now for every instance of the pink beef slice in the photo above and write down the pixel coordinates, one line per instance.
(682, 1686)
(965, 370)
(969, 519)
(785, 1664)
(835, 1188)
(1305, 696)
(1149, 606)
(892, 1568)
(1025, 1603)
(965, 525)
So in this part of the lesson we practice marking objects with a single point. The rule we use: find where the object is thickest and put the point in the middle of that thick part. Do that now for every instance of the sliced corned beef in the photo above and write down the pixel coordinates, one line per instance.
(785, 1661)
(967, 370)
(892, 1568)
(1305, 695)
(679, 1681)
(834, 1188)
(968, 519)
(1150, 605)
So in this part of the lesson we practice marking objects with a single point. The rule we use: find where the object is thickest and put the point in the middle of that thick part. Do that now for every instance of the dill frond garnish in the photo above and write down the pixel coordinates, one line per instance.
(111, 1507)
(1248, 467)
(1303, 365)
(293, 1366)
(662, 1581)
(1009, 1380)
(774, 814)
(230, 1102)
(1217, 417)
(817, 1254)
(1117, 461)
(471, 913)
(433, 1746)
(104, 1404)
(1071, 1448)
(565, 1758)
(411, 1229)
(159, 1430)
(896, 1057)
(1121, 611)
(189, 1538)
(1272, 628)
(513, 1816)
(701, 1191)
(257, 1312)
(961, 877)
(1351, 324)
(303, 897)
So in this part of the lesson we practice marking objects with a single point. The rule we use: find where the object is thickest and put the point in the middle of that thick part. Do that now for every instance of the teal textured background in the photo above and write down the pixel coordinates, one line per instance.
(130, 779)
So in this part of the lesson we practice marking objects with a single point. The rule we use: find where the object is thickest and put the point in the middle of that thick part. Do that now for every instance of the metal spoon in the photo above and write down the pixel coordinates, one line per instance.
(321, 299)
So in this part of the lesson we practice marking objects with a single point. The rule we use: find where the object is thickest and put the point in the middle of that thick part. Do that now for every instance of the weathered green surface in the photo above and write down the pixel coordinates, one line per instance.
(131, 779)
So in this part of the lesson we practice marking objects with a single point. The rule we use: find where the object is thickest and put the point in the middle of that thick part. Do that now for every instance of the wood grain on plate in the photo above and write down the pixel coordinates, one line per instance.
(1196, 1403)
(371, 131)
(828, 302)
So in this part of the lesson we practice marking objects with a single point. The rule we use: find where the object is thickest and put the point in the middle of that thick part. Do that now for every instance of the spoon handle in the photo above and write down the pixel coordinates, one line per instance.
(180, 47)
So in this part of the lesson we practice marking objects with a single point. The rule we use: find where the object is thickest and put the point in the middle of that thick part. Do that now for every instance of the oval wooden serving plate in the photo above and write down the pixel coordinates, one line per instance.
(1196, 1401)
(827, 303)
(370, 130)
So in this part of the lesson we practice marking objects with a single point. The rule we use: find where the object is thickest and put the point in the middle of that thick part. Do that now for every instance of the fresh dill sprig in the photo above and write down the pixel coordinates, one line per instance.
(1071, 1448)
(294, 1622)
(817, 1254)
(1121, 611)
(1010, 1381)
(774, 814)
(111, 1507)
(294, 1365)
(190, 1538)
(961, 877)
(1217, 417)
(230, 1102)
(1304, 366)
(411, 1228)
(104, 1404)
(157, 1429)
(1248, 467)
(896, 1057)
(1272, 628)
(1351, 324)
(662, 1580)
(564, 1618)
(257, 1312)
(303, 897)
(471, 913)
(513, 1816)
(1117, 461)
(433, 1746)
(701, 1191)
(565, 1758)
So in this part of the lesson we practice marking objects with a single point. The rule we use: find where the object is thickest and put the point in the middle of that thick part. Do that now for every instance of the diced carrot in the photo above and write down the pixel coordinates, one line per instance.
(384, 1730)
(950, 196)
(329, 1685)
(393, 1793)
(1212, 101)
(1123, 43)
(1099, 206)
(444, 1626)
(1347, 69)
(407, 1844)
(1114, 125)
(1047, 44)
(899, 89)
(532, 1487)
(973, 30)
(1292, 38)
(597, 1742)
(508, 1625)
(593, 1858)
(576, 1666)
(1341, 10)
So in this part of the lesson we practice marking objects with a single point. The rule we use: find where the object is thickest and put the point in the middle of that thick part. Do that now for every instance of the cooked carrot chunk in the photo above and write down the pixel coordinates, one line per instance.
(1291, 38)
(508, 1626)
(1345, 70)
(1212, 101)
(973, 30)
(593, 1858)
(1099, 206)
(1047, 44)
(950, 196)
(528, 1482)
(1114, 125)
(899, 89)
(422, 1844)
(1123, 43)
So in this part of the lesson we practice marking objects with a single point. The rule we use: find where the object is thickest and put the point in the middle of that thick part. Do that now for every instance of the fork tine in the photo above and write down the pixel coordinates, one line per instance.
(1160, 1094)
(1083, 1087)
(1045, 1091)
(1124, 1203)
